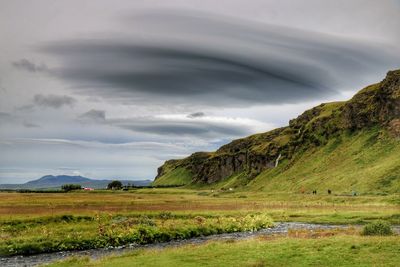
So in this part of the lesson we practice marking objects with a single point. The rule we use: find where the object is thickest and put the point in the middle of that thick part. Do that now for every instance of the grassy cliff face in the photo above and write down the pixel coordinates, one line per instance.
(342, 146)
(174, 177)
(366, 161)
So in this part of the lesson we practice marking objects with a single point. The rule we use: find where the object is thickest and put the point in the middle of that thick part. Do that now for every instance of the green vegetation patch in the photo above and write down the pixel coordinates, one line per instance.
(377, 228)
(178, 176)
(345, 250)
(364, 162)
(117, 230)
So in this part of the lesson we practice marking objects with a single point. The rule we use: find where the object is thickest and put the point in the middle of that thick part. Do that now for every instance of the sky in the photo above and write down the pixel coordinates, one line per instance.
(112, 89)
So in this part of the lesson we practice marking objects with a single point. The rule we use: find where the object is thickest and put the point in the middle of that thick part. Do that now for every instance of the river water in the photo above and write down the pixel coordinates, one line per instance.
(281, 228)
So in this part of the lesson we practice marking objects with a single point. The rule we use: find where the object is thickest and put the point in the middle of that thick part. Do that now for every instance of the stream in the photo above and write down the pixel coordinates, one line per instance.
(280, 228)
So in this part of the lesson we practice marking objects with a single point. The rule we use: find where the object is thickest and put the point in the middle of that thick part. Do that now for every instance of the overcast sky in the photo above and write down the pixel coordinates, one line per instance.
(112, 89)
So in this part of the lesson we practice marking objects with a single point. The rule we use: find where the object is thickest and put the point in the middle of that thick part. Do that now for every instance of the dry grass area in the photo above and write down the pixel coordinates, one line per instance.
(14, 205)
(312, 234)
(321, 233)
(44, 222)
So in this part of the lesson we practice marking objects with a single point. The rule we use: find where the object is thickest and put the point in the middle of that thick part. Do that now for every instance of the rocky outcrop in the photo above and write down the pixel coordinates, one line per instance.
(375, 104)
(378, 104)
(251, 155)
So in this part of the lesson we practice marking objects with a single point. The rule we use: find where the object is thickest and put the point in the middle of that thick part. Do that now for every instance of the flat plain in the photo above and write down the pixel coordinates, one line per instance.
(33, 223)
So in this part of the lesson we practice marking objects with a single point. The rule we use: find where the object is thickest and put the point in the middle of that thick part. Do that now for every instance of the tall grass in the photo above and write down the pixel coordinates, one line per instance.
(70, 233)
(377, 228)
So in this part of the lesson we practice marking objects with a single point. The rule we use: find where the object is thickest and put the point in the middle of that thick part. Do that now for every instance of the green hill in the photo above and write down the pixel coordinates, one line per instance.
(342, 146)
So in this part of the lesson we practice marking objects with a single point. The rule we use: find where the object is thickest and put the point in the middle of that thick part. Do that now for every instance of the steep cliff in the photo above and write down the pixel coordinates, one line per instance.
(375, 110)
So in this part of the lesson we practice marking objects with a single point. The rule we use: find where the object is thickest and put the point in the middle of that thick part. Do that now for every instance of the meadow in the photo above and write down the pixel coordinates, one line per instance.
(46, 222)
(339, 250)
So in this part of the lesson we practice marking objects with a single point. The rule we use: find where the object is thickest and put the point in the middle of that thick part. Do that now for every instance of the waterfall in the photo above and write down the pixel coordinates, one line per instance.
(277, 160)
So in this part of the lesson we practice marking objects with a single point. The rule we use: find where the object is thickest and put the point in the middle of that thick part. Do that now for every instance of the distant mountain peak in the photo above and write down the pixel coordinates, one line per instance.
(56, 181)
(59, 179)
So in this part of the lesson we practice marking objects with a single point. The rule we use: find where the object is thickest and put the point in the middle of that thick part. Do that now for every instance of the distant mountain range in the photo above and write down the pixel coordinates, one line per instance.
(52, 182)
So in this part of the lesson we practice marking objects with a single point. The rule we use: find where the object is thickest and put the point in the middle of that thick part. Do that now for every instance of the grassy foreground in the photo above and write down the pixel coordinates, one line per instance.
(84, 232)
(342, 250)
(45, 222)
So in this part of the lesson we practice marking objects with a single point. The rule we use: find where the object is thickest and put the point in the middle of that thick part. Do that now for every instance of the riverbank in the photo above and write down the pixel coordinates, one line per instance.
(330, 251)
(280, 229)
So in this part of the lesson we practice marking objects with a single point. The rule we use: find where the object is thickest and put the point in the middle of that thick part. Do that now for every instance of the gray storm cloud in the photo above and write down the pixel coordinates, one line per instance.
(25, 64)
(195, 125)
(5, 117)
(200, 129)
(203, 59)
(30, 125)
(94, 115)
(53, 101)
(196, 115)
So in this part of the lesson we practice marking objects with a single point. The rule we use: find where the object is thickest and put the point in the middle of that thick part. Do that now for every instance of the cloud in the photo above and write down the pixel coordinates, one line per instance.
(30, 125)
(14, 120)
(53, 101)
(26, 65)
(94, 115)
(2, 88)
(201, 127)
(203, 59)
(25, 108)
(147, 146)
(6, 118)
(179, 126)
(196, 115)
(4, 115)
(195, 125)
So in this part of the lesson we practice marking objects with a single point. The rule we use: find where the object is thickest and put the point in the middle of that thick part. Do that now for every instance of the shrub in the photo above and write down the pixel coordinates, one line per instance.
(165, 215)
(377, 228)
(145, 234)
(114, 185)
(70, 187)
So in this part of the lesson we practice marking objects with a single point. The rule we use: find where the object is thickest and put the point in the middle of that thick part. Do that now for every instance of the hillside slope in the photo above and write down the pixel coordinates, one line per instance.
(343, 146)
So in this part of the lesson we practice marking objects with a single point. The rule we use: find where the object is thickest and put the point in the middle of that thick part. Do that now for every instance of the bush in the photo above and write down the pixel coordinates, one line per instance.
(377, 228)
(114, 185)
(70, 187)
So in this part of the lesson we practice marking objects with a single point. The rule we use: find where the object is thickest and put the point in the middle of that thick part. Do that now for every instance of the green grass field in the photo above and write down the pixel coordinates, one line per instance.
(366, 162)
(178, 176)
(341, 250)
(45, 222)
